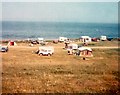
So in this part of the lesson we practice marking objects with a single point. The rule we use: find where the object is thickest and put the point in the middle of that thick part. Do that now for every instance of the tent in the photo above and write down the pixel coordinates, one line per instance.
(85, 51)
(12, 43)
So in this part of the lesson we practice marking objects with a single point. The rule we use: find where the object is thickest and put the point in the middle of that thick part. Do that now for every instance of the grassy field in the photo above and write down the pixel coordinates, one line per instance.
(26, 72)
(103, 43)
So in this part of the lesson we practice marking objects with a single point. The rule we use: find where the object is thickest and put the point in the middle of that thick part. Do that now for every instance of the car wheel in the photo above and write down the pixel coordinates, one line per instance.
(49, 54)
(40, 54)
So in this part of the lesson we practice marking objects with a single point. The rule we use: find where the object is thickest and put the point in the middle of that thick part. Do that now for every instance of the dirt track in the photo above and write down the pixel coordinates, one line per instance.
(104, 47)
(61, 46)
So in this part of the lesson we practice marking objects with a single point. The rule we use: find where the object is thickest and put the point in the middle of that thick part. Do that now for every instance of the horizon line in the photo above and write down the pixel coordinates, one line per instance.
(58, 21)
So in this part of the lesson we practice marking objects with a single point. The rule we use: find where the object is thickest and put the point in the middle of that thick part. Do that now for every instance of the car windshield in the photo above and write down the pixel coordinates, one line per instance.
(3, 48)
(43, 50)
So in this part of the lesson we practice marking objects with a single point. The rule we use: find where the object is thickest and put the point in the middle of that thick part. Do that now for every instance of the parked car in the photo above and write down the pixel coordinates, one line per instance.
(34, 42)
(109, 39)
(3, 48)
(95, 39)
(55, 41)
(46, 51)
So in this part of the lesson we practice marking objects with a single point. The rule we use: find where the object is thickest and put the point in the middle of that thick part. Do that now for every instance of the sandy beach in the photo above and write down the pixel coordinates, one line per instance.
(26, 72)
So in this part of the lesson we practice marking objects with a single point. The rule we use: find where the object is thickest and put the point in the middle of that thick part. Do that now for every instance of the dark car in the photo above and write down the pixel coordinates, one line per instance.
(34, 42)
(109, 39)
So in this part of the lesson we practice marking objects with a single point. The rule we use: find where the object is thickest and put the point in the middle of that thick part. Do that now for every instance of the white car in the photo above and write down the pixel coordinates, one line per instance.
(3, 48)
(46, 51)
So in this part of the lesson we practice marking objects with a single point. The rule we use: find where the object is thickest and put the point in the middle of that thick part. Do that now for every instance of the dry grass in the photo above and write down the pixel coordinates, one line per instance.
(25, 72)
(103, 43)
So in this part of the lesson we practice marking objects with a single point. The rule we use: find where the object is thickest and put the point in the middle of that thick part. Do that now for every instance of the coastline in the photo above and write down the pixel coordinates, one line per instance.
(52, 30)
(46, 40)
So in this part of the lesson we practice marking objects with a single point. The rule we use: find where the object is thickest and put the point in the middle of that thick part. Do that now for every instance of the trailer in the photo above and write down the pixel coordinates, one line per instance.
(72, 46)
(103, 38)
(62, 39)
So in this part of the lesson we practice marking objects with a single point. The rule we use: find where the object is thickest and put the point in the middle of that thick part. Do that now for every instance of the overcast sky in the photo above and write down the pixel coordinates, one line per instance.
(100, 12)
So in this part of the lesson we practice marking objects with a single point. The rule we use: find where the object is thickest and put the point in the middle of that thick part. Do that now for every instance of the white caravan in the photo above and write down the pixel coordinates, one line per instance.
(62, 39)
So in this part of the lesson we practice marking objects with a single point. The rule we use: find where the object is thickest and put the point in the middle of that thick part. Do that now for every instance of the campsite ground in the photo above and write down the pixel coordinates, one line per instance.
(26, 72)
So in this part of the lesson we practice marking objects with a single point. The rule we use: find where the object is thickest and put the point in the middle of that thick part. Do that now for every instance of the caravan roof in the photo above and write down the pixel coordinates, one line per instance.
(84, 48)
(85, 37)
(72, 44)
(40, 39)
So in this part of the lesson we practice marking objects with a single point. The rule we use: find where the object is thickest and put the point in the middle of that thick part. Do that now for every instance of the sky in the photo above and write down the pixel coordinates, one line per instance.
(60, 0)
(95, 12)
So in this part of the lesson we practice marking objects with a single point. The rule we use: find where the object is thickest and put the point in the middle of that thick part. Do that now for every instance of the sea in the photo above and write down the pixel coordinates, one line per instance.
(19, 30)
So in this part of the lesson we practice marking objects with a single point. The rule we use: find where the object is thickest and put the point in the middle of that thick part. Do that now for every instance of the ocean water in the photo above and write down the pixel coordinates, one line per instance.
(53, 30)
